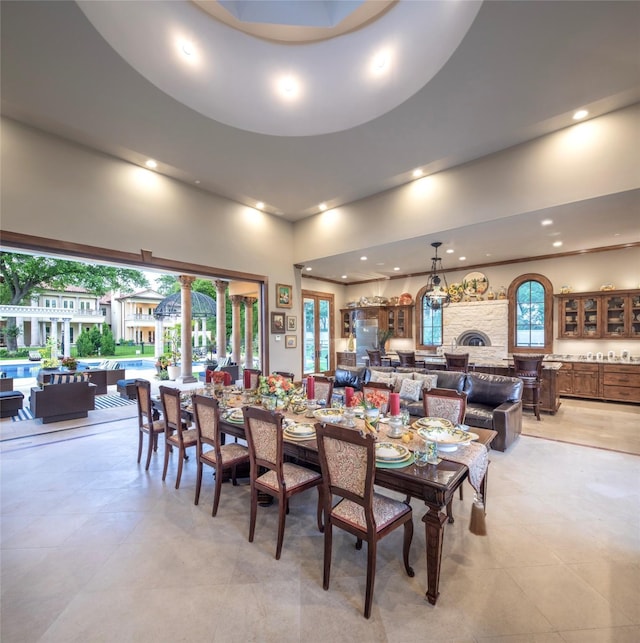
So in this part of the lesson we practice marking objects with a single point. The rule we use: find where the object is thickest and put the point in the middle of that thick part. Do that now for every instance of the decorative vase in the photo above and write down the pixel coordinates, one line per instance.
(373, 415)
(269, 402)
(174, 372)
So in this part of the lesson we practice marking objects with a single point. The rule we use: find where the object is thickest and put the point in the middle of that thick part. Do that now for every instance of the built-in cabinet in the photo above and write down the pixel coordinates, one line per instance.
(615, 381)
(346, 358)
(603, 315)
(398, 319)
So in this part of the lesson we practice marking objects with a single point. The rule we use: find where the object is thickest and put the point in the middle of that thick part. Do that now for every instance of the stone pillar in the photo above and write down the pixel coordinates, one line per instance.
(66, 346)
(236, 331)
(186, 359)
(203, 332)
(248, 331)
(35, 331)
(159, 343)
(221, 317)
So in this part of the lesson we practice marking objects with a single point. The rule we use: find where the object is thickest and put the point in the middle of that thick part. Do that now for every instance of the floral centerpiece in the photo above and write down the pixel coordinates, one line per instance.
(372, 400)
(276, 391)
(70, 362)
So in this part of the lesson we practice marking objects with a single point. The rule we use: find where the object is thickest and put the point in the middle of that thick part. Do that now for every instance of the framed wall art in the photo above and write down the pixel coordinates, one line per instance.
(290, 341)
(277, 322)
(283, 296)
(292, 323)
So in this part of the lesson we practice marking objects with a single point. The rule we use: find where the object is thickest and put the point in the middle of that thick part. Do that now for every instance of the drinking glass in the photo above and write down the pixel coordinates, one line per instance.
(420, 452)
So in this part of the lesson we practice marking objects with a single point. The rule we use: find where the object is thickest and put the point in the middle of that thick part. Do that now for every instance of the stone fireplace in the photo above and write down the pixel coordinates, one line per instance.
(479, 328)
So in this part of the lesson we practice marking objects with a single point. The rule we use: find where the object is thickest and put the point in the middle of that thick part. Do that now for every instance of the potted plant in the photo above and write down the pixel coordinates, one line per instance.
(172, 337)
(70, 363)
(383, 337)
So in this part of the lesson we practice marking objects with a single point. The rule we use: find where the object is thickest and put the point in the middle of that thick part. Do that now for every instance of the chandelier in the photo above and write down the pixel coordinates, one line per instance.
(437, 295)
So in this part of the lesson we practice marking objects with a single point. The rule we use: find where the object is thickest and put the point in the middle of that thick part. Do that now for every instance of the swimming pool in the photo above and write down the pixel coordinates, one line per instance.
(31, 369)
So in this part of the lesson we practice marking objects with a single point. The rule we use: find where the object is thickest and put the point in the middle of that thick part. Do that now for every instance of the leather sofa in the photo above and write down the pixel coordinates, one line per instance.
(493, 401)
(57, 402)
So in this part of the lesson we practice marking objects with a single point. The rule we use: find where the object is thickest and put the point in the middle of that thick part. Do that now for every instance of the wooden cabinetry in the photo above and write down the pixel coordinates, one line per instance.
(617, 382)
(399, 319)
(611, 315)
(621, 382)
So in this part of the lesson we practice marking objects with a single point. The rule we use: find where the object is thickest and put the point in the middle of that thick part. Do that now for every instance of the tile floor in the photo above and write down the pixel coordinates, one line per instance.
(96, 549)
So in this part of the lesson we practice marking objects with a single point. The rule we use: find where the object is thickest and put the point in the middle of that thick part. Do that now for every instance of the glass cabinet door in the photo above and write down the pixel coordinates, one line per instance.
(569, 317)
(590, 321)
(634, 316)
(616, 313)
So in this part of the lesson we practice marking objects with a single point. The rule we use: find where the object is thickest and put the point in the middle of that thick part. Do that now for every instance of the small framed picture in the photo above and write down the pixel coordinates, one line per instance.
(277, 322)
(283, 296)
(292, 323)
(290, 341)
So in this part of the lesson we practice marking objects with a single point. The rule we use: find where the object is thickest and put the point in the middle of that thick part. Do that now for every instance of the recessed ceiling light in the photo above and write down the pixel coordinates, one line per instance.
(289, 87)
(344, 276)
(363, 258)
(417, 173)
(308, 268)
(546, 222)
(462, 258)
(396, 268)
(323, 207)
(259, 205)
(151, 164)
(580, 114)
(488, 254)
(557, 244)
(186, 47)
(450, 251)
(380, 62)
(197, 181)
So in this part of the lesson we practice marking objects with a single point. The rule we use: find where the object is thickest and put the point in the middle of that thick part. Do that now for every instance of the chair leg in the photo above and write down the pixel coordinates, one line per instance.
(167, 451)
(216, 491)
(180, 461)
(358, 544)
(371, 576)
(320, 507)
(328, 533)
(254, 509)
(406, 546)
(283, 510)
(140, 445)
(198, 482)
(149, 451)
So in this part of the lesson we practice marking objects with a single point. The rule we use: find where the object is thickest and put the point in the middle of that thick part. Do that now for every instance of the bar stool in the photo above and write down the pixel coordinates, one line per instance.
(457, 362)
(529, 369)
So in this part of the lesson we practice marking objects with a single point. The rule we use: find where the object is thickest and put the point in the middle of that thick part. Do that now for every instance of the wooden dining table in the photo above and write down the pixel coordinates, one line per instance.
(434, 484)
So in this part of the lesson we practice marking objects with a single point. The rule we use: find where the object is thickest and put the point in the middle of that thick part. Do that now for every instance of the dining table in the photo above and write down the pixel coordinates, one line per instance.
(433, 484)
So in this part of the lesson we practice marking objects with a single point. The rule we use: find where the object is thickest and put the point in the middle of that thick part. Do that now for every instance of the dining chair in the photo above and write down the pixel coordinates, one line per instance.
(148, 421)
(251, 378)
(457, 362)
(381, 388)
(347, 462)
(176, 433)
(286, 374)
(269, 473)
(222, 457)
(323, 389)
(445, 403)
(529, 369)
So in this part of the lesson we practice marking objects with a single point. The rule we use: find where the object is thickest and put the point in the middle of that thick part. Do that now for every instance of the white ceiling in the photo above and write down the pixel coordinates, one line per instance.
(519, 72)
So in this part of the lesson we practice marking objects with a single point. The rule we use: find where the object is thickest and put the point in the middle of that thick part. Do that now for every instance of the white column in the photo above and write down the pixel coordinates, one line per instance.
(186, 359)
(248, 331)
(221, 317)
(54, 336)
(236, 331)
(20, 336)
(159, 347)
(66, 348)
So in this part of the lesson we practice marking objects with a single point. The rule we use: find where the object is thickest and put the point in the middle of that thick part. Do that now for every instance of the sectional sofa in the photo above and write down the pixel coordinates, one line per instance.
(493, 401)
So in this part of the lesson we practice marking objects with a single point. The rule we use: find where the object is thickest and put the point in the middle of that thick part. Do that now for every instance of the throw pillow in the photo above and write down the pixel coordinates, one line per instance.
(383, 378)
(428, 381)
(410, 390)
(399, 378)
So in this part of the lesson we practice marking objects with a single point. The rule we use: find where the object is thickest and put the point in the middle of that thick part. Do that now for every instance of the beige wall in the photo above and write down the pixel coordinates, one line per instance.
(587, 160)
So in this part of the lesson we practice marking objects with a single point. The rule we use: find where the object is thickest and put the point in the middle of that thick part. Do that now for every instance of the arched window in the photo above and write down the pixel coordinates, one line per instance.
(428, 323)
(530, 314)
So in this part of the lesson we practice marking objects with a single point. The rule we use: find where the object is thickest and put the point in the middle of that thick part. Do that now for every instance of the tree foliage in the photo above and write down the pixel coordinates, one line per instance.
(27, 275)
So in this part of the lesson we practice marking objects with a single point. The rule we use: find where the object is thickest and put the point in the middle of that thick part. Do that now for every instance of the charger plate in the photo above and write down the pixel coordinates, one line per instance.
(395, 465)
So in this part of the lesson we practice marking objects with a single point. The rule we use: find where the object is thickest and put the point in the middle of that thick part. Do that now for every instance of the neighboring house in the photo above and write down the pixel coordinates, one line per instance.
(132, 316)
